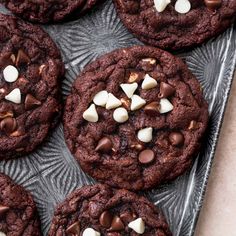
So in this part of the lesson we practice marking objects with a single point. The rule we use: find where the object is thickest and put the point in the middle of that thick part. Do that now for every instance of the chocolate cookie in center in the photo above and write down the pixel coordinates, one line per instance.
(135, 118)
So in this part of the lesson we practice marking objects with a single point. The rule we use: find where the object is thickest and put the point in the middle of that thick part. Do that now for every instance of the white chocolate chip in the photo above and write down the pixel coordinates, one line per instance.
(161, 5)
(112, 102)
(91, 114)
(90, 232)
(149, 82)
(165, 106)
(137, 225)
(120, 115)
(145, 135)
(10, 74)
(129, 89)
(14, 96)
(183, 6)
(100, 99)
(137, 102)
(2, 234)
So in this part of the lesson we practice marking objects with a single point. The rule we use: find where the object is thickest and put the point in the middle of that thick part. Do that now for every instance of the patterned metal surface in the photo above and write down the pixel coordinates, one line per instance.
(51, 172)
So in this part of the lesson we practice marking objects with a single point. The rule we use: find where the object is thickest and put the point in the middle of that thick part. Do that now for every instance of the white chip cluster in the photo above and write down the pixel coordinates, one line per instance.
(120, 114)
(181, 6)
(10, 75)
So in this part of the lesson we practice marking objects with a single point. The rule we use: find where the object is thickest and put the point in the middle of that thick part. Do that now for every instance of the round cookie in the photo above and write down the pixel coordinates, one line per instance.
(147, 130)
(99, 210)
(30, 70)
(44, 11)
(176, 24)
(18, 213)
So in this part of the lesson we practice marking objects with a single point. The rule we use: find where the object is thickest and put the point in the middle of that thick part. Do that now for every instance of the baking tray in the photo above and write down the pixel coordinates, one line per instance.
(51, 172)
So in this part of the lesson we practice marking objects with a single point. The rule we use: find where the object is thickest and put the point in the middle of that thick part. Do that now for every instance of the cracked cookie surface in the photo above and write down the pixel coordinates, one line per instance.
(30, 73)
(44, 11)
(18, 213)
(108, 212)
(171, 30)
(155, 135)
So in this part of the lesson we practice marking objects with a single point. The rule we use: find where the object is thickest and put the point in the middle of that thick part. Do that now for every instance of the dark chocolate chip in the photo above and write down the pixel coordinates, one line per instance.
(74, 229)
(31, 102)
(152, 108)
(104, 145)
(166, 90)
(22, 58)
(176, 138)
(116, 224)
(105, 219)
(213, 4)
(8, 125)
(146, 156)
(3, 209)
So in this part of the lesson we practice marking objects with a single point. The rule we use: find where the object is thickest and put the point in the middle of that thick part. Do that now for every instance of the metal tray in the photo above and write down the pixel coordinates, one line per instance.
(51, 172)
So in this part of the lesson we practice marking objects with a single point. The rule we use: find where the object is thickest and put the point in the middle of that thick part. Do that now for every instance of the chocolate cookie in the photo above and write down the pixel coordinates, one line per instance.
(18, 213)
(135, 118)
(176, 24)
(99, 210)
(30, 70)
(44, 11)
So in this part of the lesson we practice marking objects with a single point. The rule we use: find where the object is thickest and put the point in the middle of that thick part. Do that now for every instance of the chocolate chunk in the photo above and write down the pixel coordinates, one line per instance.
(146, 156)
(125, 103)
(105, 219)
(137, 146)
(6, 114)
(213, 4)
(135, 76)
(166, 90)
(104, 145)
(74, 229)
(117, 224)
(152, 108)
(127, 216)
(8, 125)
(5, 60)
(22, 58)
(176, 138)
(31, 102)
(3, 209)
(148, 64)
(193, 125)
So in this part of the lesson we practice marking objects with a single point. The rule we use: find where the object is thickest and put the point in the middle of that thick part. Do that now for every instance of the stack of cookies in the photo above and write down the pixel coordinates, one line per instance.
(134, 119)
